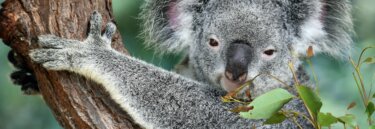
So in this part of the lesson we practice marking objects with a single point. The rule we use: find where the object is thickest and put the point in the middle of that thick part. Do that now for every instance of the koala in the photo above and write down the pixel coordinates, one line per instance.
(226, 43)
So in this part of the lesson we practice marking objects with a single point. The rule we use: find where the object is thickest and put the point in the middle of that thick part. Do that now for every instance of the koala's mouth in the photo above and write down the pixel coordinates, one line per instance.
(230, 85)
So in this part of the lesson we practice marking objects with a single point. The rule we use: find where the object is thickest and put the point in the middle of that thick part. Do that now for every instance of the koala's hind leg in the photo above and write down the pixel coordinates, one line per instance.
(23, 76)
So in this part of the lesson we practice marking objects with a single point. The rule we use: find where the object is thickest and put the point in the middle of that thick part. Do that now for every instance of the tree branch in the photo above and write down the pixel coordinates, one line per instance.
(75, 101)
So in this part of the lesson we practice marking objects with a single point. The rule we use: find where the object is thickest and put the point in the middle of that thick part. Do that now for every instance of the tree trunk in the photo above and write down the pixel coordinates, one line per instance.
(75, 101)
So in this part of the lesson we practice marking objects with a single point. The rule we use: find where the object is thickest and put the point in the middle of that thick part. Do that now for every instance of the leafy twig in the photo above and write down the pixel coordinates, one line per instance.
(293, 72)
(310, 54)
(359, 89)
(314, 75)
(295, 113)
(295, 121)
(362, 85)
(360, 56)
(277, 79)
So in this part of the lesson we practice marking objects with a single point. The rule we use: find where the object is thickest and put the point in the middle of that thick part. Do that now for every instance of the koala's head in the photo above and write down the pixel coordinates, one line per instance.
(231, 41)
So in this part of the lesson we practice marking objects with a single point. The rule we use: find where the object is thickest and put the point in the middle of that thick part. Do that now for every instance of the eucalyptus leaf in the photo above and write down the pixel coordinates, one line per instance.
(266, 105)
(275, 119)
(310, 99)
(370, 109)
(326, 119)
(348, 120)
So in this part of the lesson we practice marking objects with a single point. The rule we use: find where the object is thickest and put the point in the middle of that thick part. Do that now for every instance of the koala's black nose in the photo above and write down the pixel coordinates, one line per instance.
(238, 56)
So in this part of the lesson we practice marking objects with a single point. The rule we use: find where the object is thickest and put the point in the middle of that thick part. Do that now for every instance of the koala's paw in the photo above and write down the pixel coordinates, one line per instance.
(67, 54)
(23, 76)
(26, 80)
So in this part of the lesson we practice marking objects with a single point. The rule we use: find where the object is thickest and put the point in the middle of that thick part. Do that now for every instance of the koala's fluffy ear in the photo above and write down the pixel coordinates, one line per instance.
(324, 24)
(168, 24)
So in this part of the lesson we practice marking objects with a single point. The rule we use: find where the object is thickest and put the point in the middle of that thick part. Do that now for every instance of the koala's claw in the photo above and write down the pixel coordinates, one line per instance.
(95, 24)
(110, 29)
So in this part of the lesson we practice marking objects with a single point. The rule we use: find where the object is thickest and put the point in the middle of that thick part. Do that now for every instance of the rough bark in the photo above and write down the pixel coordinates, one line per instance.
(74, 101)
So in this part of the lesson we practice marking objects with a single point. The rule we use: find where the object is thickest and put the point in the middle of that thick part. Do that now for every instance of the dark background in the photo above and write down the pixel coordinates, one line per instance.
(336, 84)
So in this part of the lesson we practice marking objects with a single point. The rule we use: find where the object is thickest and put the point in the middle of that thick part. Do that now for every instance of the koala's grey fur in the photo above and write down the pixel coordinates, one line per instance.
(156, 98)
(291, 26)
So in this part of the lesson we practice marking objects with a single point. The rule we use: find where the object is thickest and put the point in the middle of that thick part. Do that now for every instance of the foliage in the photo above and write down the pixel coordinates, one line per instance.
(266, 105)
(326, 119)
(269, 105)
(311, 101)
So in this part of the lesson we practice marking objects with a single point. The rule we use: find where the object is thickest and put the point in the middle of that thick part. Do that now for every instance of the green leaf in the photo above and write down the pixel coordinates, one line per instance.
(310, 99)
(275, 119)
(267, 104)
(326, 119)
(370, 109)
(372, 127)
(369, 60)
(348, 120)
(373, 96)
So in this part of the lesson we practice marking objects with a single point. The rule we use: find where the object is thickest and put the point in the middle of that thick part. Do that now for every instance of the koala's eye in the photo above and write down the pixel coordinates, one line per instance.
(269, 52)
(213, 43)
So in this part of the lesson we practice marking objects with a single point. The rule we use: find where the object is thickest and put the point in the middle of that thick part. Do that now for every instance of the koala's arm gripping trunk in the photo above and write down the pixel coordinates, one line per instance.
(74, 101)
